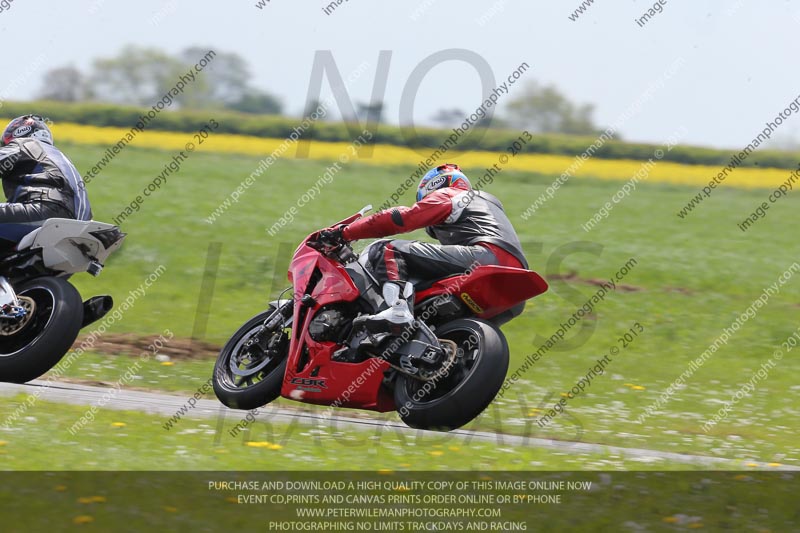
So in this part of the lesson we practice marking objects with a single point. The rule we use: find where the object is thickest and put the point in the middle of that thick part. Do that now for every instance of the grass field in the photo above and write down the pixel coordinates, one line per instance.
(692, 278)
(121, 440)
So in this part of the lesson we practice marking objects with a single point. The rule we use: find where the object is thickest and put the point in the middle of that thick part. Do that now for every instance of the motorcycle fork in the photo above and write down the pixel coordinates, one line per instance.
(10, 307)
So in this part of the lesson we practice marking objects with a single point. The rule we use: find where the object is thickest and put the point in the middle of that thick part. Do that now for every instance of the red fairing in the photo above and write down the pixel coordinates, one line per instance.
(489, 290)
(326, 382)
(319, 380)
(335, 284)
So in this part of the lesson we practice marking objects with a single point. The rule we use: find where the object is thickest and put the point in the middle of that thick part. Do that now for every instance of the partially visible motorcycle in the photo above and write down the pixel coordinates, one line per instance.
(41, 312)
(439, 374)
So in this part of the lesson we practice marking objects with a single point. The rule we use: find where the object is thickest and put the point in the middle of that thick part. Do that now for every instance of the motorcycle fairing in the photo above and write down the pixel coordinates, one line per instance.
(318, 379)
(69, 246)
(489, 289)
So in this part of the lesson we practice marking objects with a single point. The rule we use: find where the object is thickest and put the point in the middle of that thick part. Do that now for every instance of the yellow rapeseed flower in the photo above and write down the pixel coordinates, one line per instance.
(606, 169)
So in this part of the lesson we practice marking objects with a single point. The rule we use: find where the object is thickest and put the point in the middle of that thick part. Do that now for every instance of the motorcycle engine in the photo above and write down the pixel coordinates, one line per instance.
(330, 324)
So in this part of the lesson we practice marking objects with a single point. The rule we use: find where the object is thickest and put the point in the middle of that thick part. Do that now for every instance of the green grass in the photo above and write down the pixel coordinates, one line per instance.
(124, 440)
(63, 481)
(695, 277)
(177, 375)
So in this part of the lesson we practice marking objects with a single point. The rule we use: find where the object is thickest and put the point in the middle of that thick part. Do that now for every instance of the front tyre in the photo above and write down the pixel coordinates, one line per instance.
(457, 396)
(250, 368)
(32, 347)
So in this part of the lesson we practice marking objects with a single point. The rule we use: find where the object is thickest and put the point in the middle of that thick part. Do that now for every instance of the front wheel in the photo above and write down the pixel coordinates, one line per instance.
(250, 368)
(33, 345)
(462, 391)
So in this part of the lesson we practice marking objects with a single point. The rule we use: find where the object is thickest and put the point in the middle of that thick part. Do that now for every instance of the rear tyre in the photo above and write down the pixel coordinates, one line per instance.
(48, 332)
(466, 389)
(250, 368)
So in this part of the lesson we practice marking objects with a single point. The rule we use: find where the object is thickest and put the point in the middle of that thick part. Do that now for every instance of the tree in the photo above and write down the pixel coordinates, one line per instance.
(258, 102)
(65, 84)
(139, 76)
(372, 112)
(225, 81)
(142, 76)
(544, 109)
(449, 117)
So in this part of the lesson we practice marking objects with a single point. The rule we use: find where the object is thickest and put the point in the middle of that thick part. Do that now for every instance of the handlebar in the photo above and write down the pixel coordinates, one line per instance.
(346, 254)
(342, 252)
(316, 245)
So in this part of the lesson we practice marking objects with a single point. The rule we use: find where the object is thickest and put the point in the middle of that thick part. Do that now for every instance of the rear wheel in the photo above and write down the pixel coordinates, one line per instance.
(460, 393)
(32, 346)
(250, 368)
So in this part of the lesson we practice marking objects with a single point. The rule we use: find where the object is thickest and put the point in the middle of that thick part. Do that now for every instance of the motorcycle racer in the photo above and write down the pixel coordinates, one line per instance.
(471, 227)
(39, 181)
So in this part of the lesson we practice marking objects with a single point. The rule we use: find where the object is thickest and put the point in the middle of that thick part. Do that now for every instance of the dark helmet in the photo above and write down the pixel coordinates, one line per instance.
(27, 126)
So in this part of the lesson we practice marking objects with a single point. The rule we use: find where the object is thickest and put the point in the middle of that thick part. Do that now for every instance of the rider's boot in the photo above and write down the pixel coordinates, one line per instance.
(399, 296)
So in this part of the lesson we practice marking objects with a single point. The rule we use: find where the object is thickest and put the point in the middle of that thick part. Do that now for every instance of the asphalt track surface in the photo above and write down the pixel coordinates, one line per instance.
(167, 405)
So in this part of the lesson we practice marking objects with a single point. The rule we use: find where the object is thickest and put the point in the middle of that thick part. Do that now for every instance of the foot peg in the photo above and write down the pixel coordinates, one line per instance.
(397, 317)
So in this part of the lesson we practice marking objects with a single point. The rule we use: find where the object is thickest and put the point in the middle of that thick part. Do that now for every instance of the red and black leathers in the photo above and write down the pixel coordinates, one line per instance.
(470, 225)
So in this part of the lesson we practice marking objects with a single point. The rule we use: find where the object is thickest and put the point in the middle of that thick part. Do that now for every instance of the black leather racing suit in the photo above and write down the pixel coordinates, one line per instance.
(39, 183)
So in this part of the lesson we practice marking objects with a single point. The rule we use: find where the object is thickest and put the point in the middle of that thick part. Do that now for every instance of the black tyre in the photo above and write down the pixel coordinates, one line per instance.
(466, 389)
(46, 334)
(250, 368)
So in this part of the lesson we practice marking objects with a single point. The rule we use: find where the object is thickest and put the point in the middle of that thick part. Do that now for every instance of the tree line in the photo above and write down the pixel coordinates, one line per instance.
(140, 76)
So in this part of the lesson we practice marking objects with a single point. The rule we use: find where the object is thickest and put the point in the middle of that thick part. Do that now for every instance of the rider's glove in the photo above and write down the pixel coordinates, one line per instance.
(332, 236)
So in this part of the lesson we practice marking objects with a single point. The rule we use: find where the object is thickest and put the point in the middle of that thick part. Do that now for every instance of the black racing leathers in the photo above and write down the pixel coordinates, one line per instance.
(40, 182)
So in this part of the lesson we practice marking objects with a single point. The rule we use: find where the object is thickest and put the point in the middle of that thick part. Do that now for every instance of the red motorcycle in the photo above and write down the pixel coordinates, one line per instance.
(439, 373)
